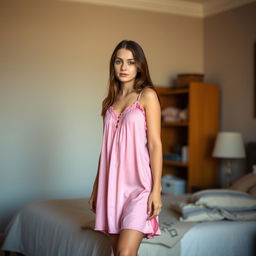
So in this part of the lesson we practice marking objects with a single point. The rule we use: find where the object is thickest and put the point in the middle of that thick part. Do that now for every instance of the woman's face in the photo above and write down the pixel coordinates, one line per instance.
(125, 66)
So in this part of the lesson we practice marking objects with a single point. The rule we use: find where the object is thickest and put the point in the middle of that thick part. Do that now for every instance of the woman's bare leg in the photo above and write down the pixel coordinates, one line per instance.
(129, 242)
(113, 240)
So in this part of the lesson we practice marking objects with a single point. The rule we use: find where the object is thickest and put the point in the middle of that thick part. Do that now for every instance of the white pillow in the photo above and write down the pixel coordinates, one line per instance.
(224, 198)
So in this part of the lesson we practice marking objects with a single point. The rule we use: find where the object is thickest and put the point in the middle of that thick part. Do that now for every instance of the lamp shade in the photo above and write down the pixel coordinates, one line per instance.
(229, 145)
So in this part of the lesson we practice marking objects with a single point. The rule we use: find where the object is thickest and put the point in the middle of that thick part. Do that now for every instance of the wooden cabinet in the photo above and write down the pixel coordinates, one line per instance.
(198, 132)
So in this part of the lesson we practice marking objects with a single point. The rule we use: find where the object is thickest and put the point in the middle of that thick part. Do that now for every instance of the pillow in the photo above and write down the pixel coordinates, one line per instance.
(245, 182)
(225, 198)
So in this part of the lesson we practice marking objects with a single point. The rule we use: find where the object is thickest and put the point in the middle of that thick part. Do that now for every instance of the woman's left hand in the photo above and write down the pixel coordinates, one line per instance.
(154, 204)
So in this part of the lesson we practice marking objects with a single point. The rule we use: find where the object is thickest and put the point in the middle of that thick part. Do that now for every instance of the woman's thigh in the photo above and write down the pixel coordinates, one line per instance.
(129, 242)
(113, 240)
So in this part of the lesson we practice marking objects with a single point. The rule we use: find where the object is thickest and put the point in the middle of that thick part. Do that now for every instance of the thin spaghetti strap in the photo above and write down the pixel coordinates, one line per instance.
(139, 95)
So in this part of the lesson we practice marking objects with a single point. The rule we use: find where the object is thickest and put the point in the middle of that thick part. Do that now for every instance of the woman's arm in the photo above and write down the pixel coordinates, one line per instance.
(93, 197)
(153, 118)
(95, 185)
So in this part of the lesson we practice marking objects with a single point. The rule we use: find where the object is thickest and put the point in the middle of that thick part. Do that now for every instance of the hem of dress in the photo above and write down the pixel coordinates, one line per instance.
(145, 235)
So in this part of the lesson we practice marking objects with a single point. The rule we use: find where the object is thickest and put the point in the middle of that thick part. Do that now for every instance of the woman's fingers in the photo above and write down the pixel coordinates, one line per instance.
(149, 206)
(92, 204)
(156, 211)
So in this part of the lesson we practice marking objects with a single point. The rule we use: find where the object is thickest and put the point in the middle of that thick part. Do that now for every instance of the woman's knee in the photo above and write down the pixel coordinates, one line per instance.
(126, 252)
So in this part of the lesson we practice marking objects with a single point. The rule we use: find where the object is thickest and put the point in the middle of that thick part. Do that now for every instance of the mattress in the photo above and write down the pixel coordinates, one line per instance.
(53, 228)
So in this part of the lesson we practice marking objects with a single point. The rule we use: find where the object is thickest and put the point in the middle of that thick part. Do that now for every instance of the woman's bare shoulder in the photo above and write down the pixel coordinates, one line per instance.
(149, 96)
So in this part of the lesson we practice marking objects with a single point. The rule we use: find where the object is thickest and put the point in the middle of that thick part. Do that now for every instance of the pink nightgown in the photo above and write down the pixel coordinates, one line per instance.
(125, 177)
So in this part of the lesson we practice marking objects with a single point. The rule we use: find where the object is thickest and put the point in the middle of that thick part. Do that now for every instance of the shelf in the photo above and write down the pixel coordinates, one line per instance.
(201, 100)
(173, 163)
(165, 91)
(169, 124)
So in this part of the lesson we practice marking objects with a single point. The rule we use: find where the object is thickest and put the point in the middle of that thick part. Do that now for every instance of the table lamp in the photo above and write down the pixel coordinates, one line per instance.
(229, 146)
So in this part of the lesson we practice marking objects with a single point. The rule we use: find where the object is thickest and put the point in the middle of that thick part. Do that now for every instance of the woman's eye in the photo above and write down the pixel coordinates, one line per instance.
(117, 62)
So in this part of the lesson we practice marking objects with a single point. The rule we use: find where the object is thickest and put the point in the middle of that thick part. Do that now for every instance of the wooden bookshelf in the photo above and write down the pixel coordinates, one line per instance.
(198, 132)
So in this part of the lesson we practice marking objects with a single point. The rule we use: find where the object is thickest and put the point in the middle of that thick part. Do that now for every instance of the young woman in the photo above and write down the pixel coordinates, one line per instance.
(126, 195)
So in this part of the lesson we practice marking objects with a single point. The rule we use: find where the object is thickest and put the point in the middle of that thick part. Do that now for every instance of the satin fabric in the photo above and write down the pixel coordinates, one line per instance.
(125, 177)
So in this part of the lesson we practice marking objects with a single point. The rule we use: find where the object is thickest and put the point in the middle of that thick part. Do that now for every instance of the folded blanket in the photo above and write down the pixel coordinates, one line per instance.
(218, 204)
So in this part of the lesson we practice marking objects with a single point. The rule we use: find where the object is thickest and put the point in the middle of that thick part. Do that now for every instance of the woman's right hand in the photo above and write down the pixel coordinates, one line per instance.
(92, 202)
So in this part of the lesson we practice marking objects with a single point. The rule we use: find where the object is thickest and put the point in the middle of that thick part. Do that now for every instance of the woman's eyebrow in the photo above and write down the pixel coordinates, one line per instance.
(122, 59)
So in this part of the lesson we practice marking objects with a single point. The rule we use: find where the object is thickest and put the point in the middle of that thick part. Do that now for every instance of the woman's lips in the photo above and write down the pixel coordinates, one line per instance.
(123, 74)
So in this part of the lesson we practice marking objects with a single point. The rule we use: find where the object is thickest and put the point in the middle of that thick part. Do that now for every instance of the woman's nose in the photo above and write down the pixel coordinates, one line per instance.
(123, 66)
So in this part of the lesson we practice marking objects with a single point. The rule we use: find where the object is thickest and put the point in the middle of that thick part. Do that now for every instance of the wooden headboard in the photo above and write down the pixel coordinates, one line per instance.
(250, 156)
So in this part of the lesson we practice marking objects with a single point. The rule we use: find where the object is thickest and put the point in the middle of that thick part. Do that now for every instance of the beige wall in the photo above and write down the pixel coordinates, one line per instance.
(53, 77)
(228, 60)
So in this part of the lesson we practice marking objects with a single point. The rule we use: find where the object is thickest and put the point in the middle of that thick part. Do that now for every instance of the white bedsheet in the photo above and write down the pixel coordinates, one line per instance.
(53, 228)
(222, 238)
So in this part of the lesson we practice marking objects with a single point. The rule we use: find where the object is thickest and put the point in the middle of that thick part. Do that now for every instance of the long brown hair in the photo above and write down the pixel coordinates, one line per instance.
(142, 78)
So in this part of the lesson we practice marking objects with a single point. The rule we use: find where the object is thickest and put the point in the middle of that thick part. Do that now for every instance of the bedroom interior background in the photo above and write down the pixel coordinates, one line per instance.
(54, 74)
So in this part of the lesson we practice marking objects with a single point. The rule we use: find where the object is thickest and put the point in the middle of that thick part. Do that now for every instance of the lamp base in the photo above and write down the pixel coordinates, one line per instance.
(228, 173)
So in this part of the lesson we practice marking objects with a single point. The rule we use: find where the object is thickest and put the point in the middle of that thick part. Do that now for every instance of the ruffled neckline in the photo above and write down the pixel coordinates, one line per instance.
(127, 109)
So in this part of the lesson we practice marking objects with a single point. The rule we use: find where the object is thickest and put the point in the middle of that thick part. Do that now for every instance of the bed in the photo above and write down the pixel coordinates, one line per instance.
(56, 228)
(61, 227)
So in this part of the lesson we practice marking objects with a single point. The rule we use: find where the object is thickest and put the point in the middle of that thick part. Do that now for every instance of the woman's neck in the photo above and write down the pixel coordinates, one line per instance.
(126, 89)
